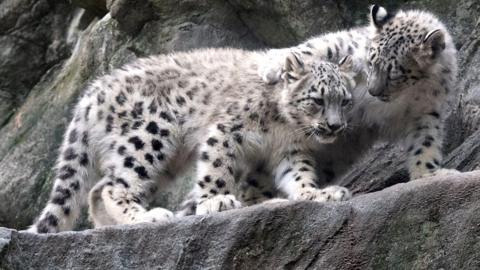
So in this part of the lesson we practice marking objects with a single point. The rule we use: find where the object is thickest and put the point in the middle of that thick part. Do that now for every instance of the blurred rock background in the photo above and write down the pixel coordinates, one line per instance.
(50, 50)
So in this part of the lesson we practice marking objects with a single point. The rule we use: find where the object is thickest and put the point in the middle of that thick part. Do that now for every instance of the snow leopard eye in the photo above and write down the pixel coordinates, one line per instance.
(345, 102)
(319, 101)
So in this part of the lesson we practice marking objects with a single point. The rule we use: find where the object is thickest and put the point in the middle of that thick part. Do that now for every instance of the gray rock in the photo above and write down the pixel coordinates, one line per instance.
(29, 34)
(131, 15)
(426, 224)
(281, 23)
(98, 7)
(287, 22)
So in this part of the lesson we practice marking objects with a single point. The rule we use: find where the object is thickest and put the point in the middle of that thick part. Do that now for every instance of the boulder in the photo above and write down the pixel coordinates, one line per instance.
(30, 31)
(432, 223)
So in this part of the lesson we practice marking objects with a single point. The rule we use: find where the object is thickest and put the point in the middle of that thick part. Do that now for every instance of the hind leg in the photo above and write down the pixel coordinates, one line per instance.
(61, 211)
(131, 169)
(72, 174)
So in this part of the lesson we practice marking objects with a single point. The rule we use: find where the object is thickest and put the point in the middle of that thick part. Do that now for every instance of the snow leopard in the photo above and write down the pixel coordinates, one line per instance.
(135, 130)
(406, 65)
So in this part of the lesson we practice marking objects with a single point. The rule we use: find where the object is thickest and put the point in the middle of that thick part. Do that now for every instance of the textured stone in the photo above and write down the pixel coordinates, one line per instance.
(131, 15)
(29, 35)
(98, 7)
(427, 224)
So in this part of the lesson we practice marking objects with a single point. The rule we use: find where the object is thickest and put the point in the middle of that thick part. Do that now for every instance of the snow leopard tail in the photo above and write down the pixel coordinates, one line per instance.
(73, 163)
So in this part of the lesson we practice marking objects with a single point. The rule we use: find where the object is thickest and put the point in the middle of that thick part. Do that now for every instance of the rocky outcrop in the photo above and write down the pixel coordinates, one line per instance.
(30, 34)
(50, 49)
(425, 224)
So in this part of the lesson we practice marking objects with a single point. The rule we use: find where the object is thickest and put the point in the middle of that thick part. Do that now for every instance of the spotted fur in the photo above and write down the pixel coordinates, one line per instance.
(136, 129)
(408, 62)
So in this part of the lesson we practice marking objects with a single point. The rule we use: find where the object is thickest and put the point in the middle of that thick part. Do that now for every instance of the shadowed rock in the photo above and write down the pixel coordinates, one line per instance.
(426, 224)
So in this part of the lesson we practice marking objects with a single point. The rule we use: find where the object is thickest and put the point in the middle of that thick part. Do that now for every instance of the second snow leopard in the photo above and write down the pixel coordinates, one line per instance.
(141, 125)
(409, 64)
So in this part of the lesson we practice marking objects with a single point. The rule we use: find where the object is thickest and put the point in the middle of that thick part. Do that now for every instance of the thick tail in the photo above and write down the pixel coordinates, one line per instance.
(72, 168)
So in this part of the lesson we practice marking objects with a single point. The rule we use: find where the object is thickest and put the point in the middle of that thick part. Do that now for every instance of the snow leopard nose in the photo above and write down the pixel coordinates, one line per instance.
(375, 90)
(335, 127)
(376, 84)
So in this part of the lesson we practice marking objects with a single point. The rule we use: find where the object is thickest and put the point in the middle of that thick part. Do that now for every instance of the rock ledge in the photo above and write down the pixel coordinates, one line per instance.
(431, 223)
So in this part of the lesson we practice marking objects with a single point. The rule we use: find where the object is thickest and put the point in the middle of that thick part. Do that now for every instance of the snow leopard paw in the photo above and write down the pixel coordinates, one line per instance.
(155, 215)
(217, 203)
(270, 73)
(329, 194)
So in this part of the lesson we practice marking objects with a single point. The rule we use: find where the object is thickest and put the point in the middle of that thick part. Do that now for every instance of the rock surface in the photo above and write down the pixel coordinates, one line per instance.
(425, 224)
(50, 49)
(30, 34)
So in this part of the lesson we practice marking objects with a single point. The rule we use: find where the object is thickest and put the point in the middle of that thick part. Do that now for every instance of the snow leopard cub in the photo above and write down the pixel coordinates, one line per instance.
(140, 126)
(409, 64)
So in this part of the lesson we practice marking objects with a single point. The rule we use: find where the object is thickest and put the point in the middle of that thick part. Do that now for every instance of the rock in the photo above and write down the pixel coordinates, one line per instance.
(426, 224)
(98, 7)
(283, 23)
(29, 32)
(131, 15)
(32, 137)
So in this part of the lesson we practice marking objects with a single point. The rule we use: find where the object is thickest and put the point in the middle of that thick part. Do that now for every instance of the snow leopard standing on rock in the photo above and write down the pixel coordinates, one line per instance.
(141, 125)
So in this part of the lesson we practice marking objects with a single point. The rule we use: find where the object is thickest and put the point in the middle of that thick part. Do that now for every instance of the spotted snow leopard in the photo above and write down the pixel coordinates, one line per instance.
(408, 60)
(140, 126)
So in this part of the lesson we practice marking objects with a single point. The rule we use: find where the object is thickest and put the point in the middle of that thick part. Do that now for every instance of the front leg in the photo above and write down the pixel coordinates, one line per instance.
(256, 186)
(215, 170)
(295, 176)
(424, 143)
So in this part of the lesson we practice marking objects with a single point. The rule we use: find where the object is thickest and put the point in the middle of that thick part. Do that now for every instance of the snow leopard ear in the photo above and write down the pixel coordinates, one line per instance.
(347, 71)
(379, 15)
(294, 68)
(432, 45)
(434, 42)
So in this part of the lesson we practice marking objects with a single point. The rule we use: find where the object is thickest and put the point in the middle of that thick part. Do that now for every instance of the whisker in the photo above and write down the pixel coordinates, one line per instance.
(300, 130)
